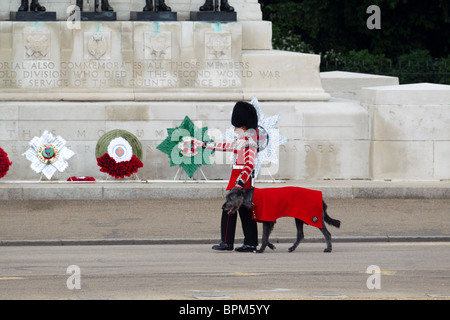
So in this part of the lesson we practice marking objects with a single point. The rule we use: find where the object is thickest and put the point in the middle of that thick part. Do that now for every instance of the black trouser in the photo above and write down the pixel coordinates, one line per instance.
(249, 227)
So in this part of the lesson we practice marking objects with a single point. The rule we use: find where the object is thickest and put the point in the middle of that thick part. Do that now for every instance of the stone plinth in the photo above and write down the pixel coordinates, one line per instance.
(98, 16)
(348, 85)
(196, 61)
(33, 16)
(327, 140)
(153, 16)
(410, 131)
(213, 16)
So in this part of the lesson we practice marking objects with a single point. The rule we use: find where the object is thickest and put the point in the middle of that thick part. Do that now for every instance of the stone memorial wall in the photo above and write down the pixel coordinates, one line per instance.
(80, 82)
(149, 61)
(410, 127)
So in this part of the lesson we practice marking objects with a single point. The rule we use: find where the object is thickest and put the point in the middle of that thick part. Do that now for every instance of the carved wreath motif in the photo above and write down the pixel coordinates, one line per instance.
(37, 45)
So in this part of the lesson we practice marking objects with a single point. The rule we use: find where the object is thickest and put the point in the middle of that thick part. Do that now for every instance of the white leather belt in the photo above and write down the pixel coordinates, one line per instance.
(239, 167)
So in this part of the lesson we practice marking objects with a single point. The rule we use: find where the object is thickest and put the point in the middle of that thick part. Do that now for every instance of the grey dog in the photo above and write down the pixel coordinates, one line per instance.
(237, 198)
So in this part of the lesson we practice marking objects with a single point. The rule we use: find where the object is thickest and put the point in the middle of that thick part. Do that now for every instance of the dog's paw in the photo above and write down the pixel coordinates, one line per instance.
(259, 251)
(327, 250)
(271, 246)
(291, 249)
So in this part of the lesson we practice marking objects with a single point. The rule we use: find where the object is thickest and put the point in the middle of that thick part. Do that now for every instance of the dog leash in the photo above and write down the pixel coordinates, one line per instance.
(226, 230)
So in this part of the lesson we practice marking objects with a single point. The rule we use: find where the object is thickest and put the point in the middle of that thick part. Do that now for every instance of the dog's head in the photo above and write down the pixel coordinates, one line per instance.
(237, 198)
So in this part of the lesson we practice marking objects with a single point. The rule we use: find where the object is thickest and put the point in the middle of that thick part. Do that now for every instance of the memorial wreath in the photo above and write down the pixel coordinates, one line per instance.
(4, 163)
(181, 149)
(119, 153)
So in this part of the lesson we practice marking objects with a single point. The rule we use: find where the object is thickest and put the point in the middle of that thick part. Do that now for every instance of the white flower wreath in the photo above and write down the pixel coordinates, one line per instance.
(48, 154)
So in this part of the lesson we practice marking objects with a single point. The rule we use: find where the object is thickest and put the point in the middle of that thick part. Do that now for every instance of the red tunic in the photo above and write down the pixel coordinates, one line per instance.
(269, 204)
(244, 149)
(235, 173)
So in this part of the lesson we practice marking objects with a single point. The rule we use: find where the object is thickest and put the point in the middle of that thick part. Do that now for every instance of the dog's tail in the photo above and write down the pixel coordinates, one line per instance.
(328, 219)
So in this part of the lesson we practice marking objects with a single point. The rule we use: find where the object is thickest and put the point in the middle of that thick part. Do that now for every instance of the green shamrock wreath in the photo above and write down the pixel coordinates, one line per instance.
(181, 149)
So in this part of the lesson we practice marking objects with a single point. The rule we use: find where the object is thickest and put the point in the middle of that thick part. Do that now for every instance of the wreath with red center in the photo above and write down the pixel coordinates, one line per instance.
(119, 153)
(181, 149)
(4, 163)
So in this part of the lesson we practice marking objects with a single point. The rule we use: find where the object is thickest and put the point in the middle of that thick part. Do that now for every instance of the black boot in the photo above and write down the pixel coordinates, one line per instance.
(106, 6)
(223, 247)
(148, 5)
(246, 248)
(35, 6)
(80, 4)
(163, 6)
(23, 6)
(224, 6)
(207, 6)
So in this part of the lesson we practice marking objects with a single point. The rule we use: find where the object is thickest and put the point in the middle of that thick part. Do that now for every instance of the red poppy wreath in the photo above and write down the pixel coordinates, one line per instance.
(4, 163)
(119, 153)
(81, 179)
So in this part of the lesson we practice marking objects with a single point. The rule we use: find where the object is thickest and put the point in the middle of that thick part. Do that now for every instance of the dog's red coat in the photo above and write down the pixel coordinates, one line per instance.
(269, 204)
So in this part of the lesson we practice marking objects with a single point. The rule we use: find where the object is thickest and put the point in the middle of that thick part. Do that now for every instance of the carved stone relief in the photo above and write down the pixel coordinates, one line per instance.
(97, 45)
(217, 45)
(158, 46)
(37, 46)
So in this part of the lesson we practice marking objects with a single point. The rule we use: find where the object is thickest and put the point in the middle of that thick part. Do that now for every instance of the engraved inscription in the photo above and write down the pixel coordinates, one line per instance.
(94, 58)
(98, 70)
(308, 148)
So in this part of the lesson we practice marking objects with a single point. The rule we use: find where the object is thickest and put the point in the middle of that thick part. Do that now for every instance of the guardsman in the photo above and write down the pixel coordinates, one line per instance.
(245, 121)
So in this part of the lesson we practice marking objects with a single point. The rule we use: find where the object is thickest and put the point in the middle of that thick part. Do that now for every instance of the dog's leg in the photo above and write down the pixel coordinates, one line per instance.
(267, 229)
(327, 236)
(325, 232)
(328, 219)
(300, 236)
(265, 237)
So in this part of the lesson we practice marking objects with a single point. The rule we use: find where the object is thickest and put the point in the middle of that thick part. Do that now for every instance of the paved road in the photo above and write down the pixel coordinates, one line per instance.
(407, 270)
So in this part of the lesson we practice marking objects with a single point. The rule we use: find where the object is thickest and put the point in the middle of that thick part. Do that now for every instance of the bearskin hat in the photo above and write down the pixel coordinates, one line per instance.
(244, 114)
